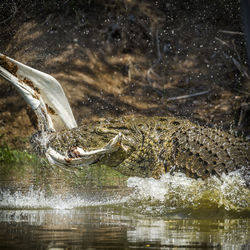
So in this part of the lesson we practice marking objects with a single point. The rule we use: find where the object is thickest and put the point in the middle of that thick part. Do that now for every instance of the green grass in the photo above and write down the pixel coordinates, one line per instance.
(12, 156)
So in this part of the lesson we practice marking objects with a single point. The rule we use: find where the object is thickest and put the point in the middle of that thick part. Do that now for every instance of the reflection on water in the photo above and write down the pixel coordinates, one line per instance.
(97, 209)
(99, 227)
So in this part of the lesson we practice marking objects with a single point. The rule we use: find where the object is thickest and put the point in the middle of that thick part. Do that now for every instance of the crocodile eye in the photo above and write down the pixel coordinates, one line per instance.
(175, 123)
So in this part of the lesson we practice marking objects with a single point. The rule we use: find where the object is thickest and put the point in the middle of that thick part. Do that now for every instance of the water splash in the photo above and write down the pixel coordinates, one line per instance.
(179, 191)
(38, 199)
(170, 193)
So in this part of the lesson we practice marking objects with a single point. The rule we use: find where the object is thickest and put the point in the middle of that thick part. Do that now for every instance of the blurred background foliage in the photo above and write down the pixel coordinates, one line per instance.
(9, 8)
(108, 41)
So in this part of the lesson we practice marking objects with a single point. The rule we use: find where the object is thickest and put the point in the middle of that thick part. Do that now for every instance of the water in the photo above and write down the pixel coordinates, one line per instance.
(46, 208)
(99, 227)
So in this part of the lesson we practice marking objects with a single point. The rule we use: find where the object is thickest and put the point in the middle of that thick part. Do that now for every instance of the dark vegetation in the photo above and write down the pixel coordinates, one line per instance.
(124, 57)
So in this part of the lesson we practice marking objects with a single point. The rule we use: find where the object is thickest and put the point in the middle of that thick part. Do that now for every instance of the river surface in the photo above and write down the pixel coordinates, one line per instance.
(50, 208)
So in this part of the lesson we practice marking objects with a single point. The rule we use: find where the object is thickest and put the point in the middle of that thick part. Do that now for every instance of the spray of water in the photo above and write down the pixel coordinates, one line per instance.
(38, 199)
(178, 191)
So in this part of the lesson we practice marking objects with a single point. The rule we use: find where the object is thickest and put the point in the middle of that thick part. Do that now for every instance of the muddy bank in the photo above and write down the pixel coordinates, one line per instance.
(128, 57)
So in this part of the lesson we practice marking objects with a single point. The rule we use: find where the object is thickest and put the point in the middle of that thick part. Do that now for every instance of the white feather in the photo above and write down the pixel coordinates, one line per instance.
(50, 90)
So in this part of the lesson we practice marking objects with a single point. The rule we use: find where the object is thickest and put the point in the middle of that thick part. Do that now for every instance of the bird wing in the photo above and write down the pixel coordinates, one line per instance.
(31, 84)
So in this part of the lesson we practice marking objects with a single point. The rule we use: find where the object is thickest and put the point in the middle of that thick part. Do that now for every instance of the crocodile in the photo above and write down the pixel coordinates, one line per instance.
(152, 146)
(133, 145)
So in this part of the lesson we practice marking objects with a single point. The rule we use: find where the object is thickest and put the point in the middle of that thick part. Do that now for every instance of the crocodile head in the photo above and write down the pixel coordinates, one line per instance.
(98, 135)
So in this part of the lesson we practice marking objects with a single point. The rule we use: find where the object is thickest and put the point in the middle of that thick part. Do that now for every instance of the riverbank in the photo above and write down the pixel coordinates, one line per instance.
(128, 57)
